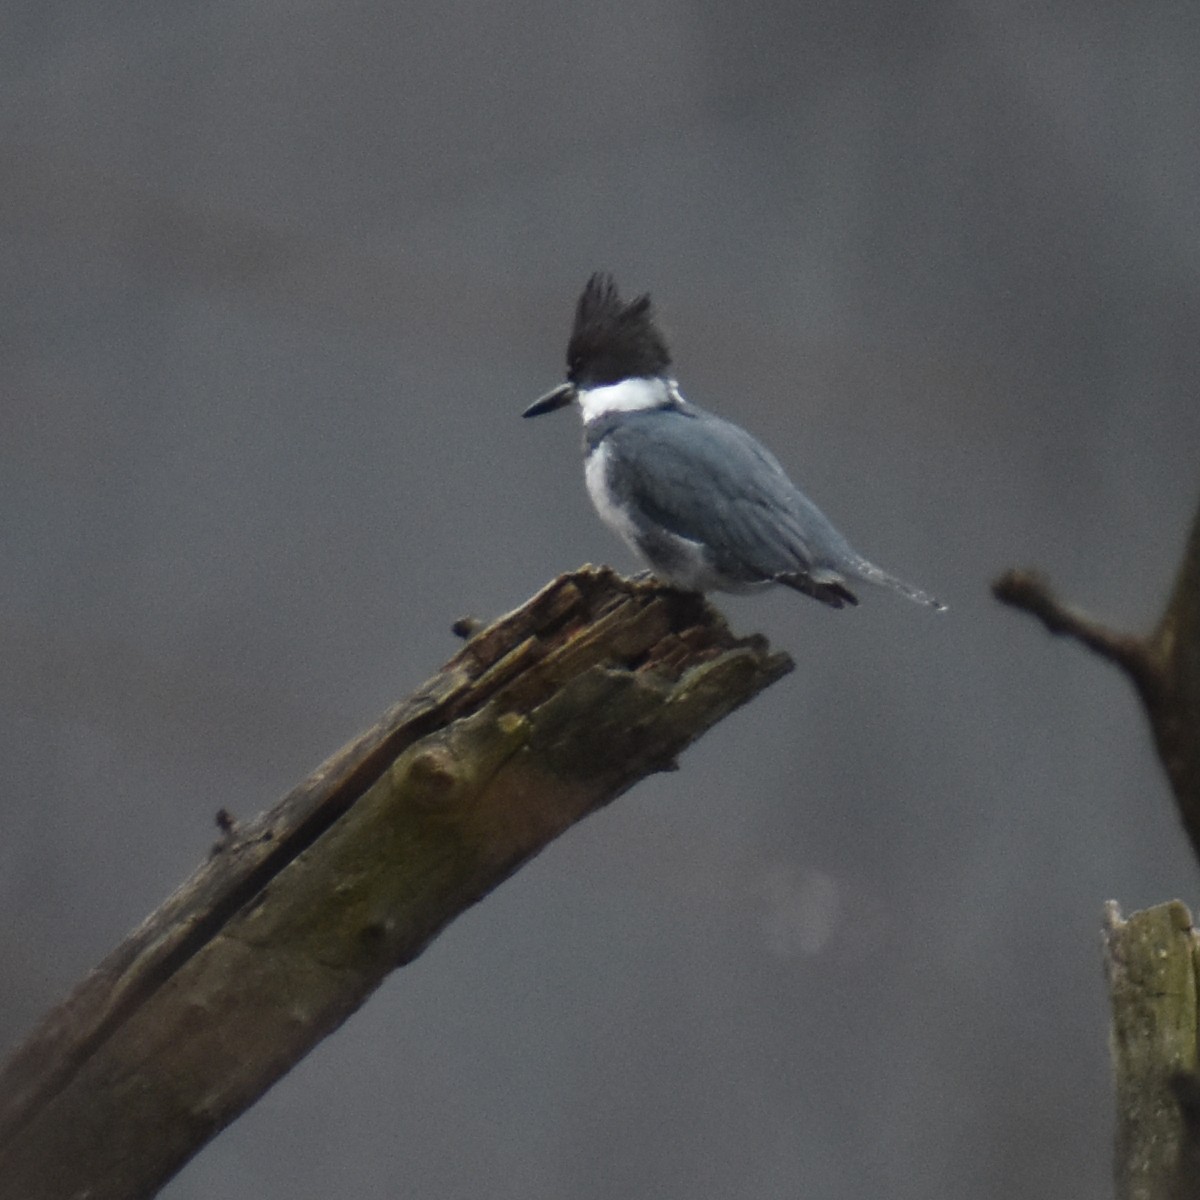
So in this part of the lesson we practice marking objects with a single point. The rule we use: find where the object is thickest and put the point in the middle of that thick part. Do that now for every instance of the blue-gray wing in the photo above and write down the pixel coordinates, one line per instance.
(706, 480)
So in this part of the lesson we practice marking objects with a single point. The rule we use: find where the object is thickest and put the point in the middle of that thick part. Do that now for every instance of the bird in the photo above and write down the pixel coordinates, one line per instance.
(704, 504)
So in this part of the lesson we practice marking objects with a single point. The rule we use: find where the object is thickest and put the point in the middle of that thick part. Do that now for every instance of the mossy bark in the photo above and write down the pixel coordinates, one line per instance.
(542, 718)
(1151, 959)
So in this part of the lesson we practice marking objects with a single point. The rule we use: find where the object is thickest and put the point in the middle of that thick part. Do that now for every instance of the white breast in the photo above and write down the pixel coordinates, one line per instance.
(595, 474)
(673, 559)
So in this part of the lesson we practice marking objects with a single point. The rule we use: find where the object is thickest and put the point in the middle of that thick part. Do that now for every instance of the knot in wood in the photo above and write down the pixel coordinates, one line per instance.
(433, 776)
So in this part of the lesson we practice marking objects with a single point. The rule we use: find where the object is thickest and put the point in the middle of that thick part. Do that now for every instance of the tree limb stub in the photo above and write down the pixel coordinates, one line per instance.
(1164, 666)
(543, 717)
(1151, 962)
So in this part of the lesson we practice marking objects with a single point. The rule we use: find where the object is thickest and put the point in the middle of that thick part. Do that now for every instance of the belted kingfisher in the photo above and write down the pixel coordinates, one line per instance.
(698, 499)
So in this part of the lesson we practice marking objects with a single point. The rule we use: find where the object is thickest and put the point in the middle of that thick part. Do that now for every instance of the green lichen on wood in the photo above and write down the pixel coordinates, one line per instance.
(1151, 959)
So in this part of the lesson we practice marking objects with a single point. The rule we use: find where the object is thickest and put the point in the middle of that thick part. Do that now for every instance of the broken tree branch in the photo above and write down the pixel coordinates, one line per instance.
(543, 717)
(1164, 666)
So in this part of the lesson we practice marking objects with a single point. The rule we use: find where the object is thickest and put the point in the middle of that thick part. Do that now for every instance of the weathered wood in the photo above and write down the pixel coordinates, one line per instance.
(543, 717)
(1151, 961)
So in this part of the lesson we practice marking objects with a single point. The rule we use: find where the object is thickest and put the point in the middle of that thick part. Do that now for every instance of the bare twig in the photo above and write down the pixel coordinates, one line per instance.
(1164, 666)
(1030, 591)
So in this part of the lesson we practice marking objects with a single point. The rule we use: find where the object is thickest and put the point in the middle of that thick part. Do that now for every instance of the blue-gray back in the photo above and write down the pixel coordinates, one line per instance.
(705, 479)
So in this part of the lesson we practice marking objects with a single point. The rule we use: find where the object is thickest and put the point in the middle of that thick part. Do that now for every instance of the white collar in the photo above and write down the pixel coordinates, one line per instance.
(635, 394)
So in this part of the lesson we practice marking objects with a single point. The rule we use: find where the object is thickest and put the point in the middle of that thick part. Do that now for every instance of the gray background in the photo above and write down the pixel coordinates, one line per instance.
(278, 280)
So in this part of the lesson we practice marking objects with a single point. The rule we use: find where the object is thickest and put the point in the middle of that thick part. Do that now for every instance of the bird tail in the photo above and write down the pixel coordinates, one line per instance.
(830, 589)
(870, 573)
